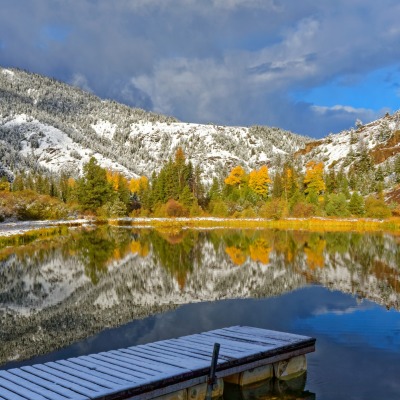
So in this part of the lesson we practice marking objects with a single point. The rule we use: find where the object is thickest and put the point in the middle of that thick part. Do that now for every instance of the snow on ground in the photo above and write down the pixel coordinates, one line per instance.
(20, 227)
(8, 72)
(336, 147)
(105, 129)
(55, 150)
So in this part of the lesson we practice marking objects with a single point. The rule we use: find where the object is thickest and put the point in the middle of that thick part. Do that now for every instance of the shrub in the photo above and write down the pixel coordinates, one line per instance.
(303, 210)
(275, 209)
(115, 208)
(175, 209)
(376, 208)
(219, 209)
(249, 213)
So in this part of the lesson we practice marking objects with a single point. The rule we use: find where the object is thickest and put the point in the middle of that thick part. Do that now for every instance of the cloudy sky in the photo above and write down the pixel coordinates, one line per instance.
(312, 67)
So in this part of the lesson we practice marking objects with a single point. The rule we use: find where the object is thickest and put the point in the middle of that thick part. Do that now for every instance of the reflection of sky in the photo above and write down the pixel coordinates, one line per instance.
(372, 327)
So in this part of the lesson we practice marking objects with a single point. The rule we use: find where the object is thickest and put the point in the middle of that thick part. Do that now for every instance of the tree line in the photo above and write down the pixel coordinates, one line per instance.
(177, 190)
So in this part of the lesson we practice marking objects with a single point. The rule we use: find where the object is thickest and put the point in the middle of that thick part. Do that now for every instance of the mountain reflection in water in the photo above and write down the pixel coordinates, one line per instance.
(63, 289)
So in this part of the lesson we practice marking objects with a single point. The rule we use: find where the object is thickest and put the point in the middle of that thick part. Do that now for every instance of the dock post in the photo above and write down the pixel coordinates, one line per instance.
(211, 376)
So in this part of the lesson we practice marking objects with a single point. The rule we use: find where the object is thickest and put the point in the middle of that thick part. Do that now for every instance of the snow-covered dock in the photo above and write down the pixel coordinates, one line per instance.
(154, 369)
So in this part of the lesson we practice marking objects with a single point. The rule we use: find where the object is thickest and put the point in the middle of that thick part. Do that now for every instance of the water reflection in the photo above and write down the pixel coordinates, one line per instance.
(270, 389)
(65, 288)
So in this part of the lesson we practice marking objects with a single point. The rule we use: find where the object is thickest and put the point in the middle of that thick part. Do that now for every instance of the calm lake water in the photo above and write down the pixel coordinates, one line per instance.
(86, 291)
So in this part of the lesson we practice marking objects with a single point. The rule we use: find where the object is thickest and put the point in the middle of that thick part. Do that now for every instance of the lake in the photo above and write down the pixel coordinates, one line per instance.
(88, 290)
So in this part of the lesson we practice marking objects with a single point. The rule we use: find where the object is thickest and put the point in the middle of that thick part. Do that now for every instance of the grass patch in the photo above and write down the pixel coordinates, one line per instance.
(309, 224)
(29, 236)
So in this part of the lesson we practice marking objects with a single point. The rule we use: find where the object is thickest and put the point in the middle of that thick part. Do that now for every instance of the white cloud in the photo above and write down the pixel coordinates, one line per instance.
(81, 81)
(338, 107)
(225, 61)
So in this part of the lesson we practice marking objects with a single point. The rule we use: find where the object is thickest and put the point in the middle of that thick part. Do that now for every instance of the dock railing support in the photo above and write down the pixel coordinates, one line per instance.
(211, 376)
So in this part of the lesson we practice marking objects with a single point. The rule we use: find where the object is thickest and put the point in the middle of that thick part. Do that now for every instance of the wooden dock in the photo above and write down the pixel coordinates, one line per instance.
(153, 369)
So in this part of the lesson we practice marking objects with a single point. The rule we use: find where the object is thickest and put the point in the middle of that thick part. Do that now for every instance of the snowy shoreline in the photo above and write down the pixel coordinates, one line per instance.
(11, 228)
(21, 227)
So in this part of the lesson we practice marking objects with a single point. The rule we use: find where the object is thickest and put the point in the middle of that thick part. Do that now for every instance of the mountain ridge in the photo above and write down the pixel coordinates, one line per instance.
(35, 109)
(50, 126)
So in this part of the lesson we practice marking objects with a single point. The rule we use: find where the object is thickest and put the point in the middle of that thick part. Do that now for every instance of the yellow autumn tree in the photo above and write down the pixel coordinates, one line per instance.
(235, 254)
(314, 178)
(259, 180)
(290, 184)
(259, 251)
(113, 178)
(236, 177)
(139, 184)
(315, 253)
(71, 183)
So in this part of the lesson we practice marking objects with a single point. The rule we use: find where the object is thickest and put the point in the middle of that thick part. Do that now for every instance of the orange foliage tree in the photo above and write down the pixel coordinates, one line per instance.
(259, 180)
(139, 184)
(259, 251)
(315, 251)
(236, 255)
(314, 177)
(236, 177)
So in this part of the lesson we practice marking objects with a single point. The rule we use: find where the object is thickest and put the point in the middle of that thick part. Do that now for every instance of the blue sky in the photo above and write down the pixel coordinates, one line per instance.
(310, 67)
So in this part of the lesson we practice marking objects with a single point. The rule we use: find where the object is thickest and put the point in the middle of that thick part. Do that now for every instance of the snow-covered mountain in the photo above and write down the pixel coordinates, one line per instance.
(46, 123)
(378, 141)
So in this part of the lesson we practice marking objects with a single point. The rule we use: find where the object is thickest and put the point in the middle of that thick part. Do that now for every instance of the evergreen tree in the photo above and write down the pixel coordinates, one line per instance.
(379, 177)
(337, 205)
(123, 192)
(397, 168)
(186, 198)
(331, 181)
(277, 186)
(197, 186)
(215, 190)
(18, 183)
(357, 205)
(4, 184)
(93, 189)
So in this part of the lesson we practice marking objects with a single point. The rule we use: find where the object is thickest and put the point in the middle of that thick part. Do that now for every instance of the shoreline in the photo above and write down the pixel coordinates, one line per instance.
(322, 224)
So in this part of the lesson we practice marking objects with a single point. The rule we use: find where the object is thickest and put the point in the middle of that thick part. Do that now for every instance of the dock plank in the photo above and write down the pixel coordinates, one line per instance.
(42, 373)
(8, 395)
(245, 348)
(153, 369)
(145, 364)
(246, 338)
(56, 388)
(175, 361)
(107, 368)
(182, 354)
(80, 376)
(230, 342)
(32, 386)
(84, 371)
(228, 347)
(199, 349)
(266, 333)
(20, 390)
(123, 362)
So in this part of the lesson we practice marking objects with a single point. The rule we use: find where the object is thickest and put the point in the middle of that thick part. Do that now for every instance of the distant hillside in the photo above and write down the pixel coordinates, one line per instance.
(48, 124)
(367, 153)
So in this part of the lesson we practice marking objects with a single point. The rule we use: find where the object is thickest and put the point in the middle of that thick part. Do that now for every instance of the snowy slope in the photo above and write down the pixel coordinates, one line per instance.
(59, 126)
(54, 149)
(380, 139)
